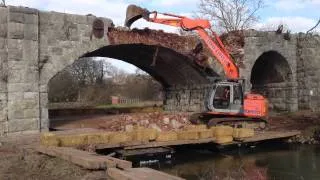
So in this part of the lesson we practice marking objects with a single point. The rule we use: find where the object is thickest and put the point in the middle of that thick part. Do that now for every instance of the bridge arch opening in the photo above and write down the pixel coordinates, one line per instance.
(93, 88)
(165, 65)
(270, 67)
(271, 76)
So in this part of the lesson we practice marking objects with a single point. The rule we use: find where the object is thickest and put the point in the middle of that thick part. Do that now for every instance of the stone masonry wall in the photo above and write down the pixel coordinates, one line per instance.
(186, 98)
(63, 38)
(308, 71)
(34, 46)
(281, 96)
(23, 76)
(3, 71)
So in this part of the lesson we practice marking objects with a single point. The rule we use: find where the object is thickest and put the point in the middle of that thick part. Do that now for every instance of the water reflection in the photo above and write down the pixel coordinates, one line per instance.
(271, 161)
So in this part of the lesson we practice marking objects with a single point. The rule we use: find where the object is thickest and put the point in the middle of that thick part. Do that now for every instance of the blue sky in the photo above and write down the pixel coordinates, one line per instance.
(297, 15)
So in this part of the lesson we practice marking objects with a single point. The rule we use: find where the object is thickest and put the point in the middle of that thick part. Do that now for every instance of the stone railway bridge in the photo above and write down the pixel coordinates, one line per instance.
(36, 45)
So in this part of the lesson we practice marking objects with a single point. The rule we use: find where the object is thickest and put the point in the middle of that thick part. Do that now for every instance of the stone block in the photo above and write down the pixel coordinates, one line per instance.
(30, 52)
(16, 17)
(30, 103)
(57, 18)
(3, 96)
(16, 30)
(15, 44)
(31, 113)
(73, 34)
(15, 55)
(29, 74)
(31, 19)
(44, 113)
(57, 51)
(3, 113)
(3, 30)
(78, 19)
(15, 77)
(16, 65)
(44, 18)
(2, 43)
(3, 15)
(15, 112)
(22, 87)
(3, 128)
(44, 124)
(30, 32)
(24, 10)
(30, 95)
(18, 125)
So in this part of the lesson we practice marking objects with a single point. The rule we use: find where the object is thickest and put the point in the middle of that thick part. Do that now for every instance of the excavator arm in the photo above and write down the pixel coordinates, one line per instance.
(215, 45)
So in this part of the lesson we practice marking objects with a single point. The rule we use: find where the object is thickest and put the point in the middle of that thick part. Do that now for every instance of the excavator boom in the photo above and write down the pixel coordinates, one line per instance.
(199, 25)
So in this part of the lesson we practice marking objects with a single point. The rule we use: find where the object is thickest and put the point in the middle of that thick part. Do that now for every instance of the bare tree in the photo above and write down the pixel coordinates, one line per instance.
(231, 15)
(3, 3)
(88, 71)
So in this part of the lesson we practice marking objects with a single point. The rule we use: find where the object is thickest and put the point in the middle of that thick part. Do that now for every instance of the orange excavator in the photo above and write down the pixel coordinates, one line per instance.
(226, 103)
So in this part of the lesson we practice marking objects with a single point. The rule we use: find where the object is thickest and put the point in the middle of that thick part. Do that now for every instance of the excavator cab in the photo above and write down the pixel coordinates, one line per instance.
(226, 97)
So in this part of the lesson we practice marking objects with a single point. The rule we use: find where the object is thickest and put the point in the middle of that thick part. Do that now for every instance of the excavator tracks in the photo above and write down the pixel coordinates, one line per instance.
(243, 122)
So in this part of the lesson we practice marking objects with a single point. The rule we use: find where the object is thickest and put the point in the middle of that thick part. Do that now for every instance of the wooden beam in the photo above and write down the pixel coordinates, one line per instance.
(84, 159)
(139, 174)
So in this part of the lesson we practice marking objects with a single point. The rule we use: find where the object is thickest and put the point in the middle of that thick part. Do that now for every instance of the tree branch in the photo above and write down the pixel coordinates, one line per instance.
(314, 27)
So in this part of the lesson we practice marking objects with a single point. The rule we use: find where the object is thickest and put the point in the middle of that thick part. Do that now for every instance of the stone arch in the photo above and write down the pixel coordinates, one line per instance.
(167, 66)
(271, 76)
(270, 67)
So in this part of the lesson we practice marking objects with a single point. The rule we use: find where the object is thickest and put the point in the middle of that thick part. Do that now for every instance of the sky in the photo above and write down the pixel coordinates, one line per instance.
(297, 15)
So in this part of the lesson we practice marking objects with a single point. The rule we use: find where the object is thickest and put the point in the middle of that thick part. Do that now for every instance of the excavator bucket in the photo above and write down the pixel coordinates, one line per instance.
(134, 13)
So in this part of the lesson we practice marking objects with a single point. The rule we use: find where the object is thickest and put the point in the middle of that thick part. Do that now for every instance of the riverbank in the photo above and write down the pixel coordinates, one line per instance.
(307, 122)
(19, 161)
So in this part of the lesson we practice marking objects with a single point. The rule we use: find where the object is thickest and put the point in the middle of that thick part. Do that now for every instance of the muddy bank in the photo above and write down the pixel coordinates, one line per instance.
(20, 161)
(305, 121)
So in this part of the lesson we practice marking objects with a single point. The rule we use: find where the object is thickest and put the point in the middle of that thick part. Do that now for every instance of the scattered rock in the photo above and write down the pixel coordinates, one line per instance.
(156, 127)
(129, 128)
(144, 122)
(184, 120)
(166, 120)
(175, 124)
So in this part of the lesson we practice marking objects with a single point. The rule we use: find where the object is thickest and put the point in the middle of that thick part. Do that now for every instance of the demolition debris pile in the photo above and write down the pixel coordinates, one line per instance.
(156, 120)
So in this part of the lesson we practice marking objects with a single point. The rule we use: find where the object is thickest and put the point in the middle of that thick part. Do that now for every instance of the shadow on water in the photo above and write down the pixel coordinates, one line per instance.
(267, 161)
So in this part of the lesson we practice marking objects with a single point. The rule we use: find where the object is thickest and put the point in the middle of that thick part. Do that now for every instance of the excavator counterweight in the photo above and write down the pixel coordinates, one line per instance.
(134, 13)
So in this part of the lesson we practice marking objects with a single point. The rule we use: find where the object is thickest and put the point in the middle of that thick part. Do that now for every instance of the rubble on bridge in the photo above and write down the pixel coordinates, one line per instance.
(185, 45)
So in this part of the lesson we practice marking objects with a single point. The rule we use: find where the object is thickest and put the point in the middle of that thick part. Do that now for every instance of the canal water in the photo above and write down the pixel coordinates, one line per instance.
(269, 161)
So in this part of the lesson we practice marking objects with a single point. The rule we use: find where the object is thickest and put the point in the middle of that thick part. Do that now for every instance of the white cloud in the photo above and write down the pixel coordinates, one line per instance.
(315, 2)
(292, 5)
(294, 24)
(174, 2)
(115, 10)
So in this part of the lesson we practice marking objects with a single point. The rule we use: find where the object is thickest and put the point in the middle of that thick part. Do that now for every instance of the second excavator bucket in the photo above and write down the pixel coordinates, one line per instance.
(134, 13)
